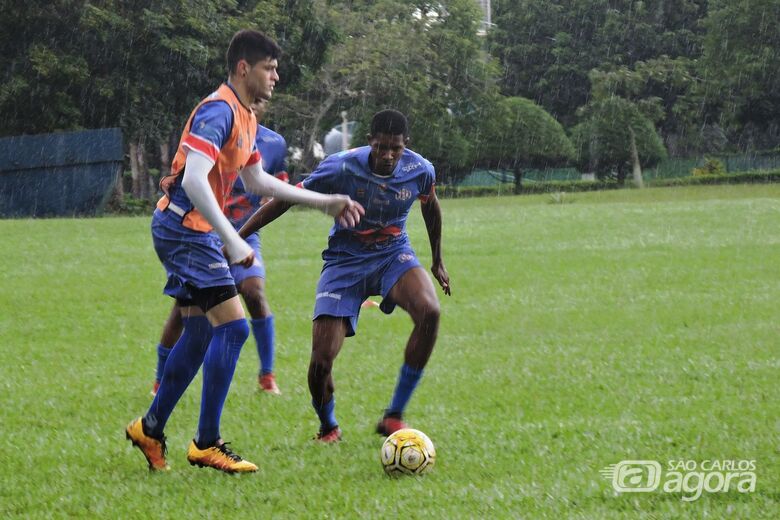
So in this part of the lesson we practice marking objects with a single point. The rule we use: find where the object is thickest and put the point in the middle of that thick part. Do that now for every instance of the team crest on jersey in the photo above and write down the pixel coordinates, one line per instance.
(405, 257)
(403, 194)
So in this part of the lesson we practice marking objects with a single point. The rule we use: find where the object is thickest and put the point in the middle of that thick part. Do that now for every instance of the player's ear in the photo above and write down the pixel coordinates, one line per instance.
(406, 141)
(368, 138)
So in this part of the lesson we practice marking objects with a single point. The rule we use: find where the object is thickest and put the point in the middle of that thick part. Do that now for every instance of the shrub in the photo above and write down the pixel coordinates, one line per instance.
(710, 167)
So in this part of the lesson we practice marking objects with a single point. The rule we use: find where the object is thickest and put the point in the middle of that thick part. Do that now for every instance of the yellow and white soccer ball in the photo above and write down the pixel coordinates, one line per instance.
(408, 452)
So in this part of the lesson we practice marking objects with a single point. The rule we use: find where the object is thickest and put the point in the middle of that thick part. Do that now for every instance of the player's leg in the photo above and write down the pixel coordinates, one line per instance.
(263, 329)
(340, 291)
(251, 285)
(328, 333)
(170, 334)
(413, 292)
(180, 368)
(230, 331)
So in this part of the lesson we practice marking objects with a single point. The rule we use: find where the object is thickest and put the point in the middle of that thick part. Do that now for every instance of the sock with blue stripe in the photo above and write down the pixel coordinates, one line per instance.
(218, 368)
(263, 330)
(183, 362)
(327, 414)
(407, 382)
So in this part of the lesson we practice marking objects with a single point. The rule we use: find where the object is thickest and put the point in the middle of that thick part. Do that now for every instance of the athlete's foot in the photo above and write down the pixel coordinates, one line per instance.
(218, 457)
(267, 383)
(152, 447)
(389, 424)
(155, 387)
(330, 436)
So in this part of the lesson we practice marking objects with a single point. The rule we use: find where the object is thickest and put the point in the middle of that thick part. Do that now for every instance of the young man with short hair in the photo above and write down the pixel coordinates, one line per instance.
(372, 258)
(189, 230)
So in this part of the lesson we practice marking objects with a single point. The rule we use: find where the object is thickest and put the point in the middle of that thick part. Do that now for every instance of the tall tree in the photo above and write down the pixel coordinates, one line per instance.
(740, 66)
(612, 136)
(548, 47)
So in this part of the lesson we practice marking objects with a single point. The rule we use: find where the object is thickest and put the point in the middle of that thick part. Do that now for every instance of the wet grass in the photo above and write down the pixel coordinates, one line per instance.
(621, 325)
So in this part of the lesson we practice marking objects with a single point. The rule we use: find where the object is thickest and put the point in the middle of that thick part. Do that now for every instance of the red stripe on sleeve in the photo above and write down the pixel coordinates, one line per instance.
(199, 145)
(254, 158)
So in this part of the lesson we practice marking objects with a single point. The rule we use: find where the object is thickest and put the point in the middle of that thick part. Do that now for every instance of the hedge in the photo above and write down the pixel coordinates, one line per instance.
(759, 176)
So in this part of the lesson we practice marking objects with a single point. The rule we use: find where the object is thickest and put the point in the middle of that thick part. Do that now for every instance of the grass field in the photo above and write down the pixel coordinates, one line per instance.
(624, 325)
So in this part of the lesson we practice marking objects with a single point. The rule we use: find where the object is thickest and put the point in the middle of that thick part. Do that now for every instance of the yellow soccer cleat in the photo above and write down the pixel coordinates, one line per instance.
(219, 457)
(153, 449)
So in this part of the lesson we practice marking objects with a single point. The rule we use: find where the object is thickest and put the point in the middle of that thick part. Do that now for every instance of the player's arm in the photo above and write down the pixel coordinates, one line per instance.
(257, 181)
(431, 211)
(196, 185)
(267, 213)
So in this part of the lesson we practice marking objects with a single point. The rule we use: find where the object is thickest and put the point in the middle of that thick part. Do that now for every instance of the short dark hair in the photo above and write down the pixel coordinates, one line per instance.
(390, 122)
(252, 46)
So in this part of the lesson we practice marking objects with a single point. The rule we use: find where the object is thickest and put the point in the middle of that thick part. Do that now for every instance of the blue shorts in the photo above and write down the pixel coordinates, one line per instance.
(348, 279)
(257, 270)
(190, 258)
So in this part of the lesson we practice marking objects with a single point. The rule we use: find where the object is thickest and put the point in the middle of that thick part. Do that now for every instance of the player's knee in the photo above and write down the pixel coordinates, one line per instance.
(320, 367)
(427, 312)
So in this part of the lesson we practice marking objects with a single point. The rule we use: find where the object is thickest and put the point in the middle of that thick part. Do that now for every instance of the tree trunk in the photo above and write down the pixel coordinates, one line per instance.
(308, 160)
(135, 171)
(165, 161)
(143, 171)
(518, 178)
(118, 193)
(621, 175)
(637, 168)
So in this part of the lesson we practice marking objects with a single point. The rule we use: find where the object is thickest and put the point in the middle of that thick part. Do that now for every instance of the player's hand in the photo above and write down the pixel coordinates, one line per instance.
(346, 211)
(239, 252)
(441, 275)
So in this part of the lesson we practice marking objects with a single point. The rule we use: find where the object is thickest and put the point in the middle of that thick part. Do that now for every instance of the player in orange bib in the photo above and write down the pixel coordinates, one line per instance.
(189, 229)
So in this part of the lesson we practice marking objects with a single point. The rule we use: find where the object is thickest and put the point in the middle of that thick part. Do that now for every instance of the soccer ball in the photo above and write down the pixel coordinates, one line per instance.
(408, 452)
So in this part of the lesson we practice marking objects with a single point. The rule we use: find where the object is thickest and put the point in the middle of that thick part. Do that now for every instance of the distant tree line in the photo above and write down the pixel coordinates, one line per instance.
(606, 85)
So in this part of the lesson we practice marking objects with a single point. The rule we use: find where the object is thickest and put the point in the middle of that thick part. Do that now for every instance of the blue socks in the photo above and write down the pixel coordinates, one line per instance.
(162, 356)
(183, 362)
(407, 382)
(263, 329)
(326, 413)
(218, 368)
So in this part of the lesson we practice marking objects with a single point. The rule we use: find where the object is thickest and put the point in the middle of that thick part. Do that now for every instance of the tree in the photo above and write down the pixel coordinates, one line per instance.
(548, 47)
(521, 134)
(437, 76)
(610, 130)
(740, 66)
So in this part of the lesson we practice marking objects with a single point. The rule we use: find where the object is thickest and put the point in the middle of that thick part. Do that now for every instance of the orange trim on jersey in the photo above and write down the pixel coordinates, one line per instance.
(238, 152)
(424, 198)
(372, 236)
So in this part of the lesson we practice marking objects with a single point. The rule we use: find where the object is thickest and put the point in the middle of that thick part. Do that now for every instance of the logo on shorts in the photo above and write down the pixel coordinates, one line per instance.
(218, 265)
(328, 295)
(404, 194)
(405, 257)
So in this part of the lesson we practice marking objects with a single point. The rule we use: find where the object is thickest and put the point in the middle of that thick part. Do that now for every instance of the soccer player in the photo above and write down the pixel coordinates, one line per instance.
(372, 258)
(249, 281)
(189, 230)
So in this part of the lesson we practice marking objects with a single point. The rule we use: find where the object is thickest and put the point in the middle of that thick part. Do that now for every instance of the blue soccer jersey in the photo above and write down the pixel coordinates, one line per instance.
(273, 149)
(387, 200)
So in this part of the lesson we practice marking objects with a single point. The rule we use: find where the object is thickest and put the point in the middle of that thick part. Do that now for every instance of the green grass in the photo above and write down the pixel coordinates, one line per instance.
(624, 325)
